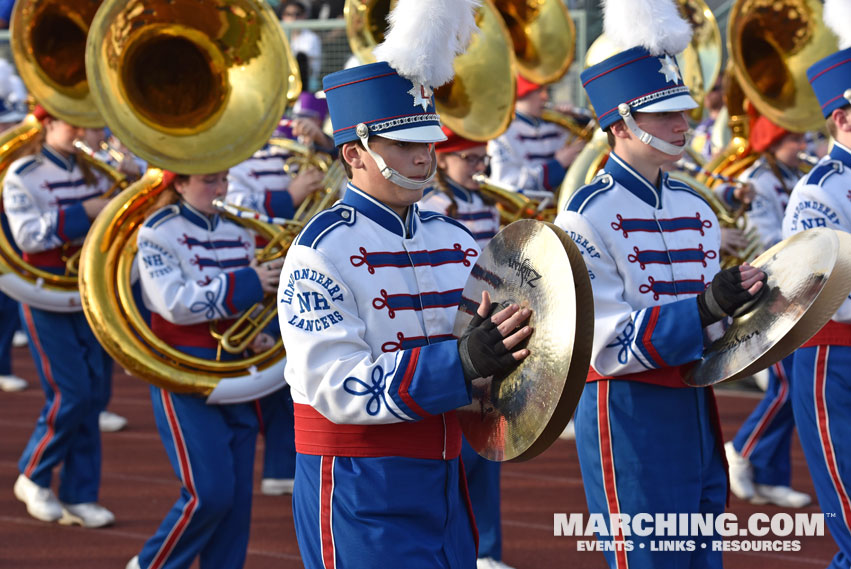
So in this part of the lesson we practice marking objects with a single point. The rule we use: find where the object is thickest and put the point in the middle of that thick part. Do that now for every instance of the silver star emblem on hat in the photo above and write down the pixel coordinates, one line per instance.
(421, 95)
(669, 69)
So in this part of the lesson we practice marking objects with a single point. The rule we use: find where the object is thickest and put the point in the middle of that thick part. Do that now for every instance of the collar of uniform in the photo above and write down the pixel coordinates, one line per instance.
(842, 153)
(198, 218)
(788, 172)
(528, 119)
(458, 191)
(633, 181)
(367, 205)
(57, 158)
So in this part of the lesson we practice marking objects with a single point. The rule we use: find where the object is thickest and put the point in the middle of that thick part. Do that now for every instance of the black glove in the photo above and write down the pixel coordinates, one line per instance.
(723, 297)
(482, 352)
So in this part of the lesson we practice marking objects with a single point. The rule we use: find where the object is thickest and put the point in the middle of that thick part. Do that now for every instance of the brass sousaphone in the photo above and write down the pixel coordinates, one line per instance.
(48, 39)
(195, 87)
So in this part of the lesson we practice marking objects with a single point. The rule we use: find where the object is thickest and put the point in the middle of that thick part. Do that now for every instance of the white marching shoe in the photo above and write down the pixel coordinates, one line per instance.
(276, 486)
(20, 339)
(41, 502)
(490, 563)
(780, 496)
(88, 515)
(133, 563)
(741, 473)
(109, 422)
(569, 433)
(12, 383)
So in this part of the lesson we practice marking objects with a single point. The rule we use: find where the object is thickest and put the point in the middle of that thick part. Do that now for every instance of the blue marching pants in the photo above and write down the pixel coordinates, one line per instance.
(821, 401)
(278, 425)
(483, 486)
(375, 513)
(211, 449)
(9, 323)
(647, 449)
(765, 437)
(74, 371)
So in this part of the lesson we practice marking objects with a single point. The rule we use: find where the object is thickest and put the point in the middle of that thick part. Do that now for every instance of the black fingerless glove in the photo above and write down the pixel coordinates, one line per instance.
(482, 352)
(723, 297)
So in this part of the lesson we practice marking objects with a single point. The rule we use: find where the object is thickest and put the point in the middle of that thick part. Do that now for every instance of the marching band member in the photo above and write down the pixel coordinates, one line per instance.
(647, 443)
(759, 455)
(195, 268)
(455, 194)
(263, 184)
(50, 199)
(532, 154)
(367, 303)
(821, 397)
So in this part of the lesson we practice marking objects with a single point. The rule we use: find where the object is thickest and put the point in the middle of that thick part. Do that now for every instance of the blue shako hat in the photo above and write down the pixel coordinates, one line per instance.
(635, 77)
(390, 105)
(831, 81)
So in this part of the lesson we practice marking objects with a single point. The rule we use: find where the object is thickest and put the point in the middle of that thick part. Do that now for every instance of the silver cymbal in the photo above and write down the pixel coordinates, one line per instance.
(536, 265)
(809, 276)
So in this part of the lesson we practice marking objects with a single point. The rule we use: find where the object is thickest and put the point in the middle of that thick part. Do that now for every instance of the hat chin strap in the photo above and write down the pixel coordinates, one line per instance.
(646, 137)
(389, 173)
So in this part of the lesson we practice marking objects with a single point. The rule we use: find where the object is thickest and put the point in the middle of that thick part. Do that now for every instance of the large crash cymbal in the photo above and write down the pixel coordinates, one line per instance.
(536, 265)
(809, 276)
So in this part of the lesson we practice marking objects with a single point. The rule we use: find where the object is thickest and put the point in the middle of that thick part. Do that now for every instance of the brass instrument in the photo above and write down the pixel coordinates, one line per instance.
(479, 103)
(512, 205)
(195, 87)
(543, 36)
(771, 45)
(48, 40)
(50, 68)
(178, 79)
(570, 124)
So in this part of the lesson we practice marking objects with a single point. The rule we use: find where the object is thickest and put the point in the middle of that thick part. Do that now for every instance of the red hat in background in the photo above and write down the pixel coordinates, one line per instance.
(41, 114)
(763, 133)
(455, 142)
(524, 87)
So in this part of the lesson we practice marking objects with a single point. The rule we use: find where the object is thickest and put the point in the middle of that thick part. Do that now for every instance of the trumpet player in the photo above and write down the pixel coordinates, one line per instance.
(648, 443)
(821, 398)
(759, 454)
(532, 155)
(198, 268)
(50, 198)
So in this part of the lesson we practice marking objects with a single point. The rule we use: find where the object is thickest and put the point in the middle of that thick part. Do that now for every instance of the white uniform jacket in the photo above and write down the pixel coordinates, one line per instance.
(482, 219)
(523, 156)
(260, 183)
(42, 198)
(367, 304)
(649, 252)
(194, 269)
(772, 195)
(822, 198)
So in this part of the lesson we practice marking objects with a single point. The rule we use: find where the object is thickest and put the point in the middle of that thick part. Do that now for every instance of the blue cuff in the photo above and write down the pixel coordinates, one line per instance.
(242, 290)
(72, 223)
(430, 381)
(553, 174)
(671, 334)
(279, 203)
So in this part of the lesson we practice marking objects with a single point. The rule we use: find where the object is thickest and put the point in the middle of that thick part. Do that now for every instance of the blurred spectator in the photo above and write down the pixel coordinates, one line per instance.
(302, 40)
(327, 9)
(6, 13)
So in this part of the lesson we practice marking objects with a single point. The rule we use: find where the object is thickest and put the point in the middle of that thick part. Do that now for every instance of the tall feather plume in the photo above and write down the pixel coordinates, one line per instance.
(425, 36)
(837, 17)
(653, 24)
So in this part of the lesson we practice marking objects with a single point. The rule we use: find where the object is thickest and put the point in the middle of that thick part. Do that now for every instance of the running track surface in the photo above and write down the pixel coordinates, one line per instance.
(139, 487)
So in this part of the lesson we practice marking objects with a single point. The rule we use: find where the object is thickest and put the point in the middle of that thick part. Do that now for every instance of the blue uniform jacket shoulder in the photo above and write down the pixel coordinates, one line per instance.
(823, 171)
(25, 165)
(162, 215)
(428, 216)
(323, 223)
(680, 186)
(587, 193)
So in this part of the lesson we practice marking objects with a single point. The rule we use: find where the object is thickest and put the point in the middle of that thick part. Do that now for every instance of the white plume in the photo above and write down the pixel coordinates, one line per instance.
(425, 36)
(837, 17)
(653, 24)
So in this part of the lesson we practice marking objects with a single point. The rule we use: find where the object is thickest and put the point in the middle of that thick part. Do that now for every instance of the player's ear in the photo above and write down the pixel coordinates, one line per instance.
(353, 153)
